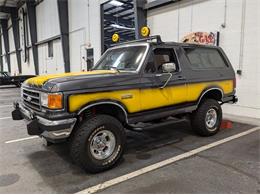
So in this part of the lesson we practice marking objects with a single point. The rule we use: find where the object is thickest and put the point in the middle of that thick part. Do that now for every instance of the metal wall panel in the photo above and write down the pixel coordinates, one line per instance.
(47, 19)
(51, 65)
(89, 24)
(14, 66)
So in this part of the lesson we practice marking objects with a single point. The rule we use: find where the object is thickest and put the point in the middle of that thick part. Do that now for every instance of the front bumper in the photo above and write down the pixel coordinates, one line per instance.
(51, 130)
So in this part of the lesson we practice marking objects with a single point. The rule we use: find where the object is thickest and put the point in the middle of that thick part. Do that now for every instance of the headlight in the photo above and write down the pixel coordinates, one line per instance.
(44, 99)
(52, 100)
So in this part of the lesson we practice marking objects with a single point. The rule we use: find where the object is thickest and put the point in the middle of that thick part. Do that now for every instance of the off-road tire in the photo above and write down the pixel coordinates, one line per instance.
(198, 118)
(81, 140)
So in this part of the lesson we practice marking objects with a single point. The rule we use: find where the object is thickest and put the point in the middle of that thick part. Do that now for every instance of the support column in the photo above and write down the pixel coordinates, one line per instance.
(33, 32)
(15, 24)
(6, 42)
(1, 52)
(64, 30)
(140, 17)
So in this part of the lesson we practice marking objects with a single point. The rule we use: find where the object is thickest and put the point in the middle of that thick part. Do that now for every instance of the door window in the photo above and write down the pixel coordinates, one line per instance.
(159, 57)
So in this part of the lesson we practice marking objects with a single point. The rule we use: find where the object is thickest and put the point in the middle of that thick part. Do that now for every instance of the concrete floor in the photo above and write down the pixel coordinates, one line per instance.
(30, 167)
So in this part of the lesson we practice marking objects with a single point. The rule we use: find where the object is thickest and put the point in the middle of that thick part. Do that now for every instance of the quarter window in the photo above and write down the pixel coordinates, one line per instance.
(205, 58)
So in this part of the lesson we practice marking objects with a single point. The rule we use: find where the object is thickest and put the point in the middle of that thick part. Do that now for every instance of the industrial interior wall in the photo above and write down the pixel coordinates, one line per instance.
(5, 66)
(13, 59)
(84, 30)
(27, 60)
(84, 33)
(47, 19)
(238, 22)
(28, 63)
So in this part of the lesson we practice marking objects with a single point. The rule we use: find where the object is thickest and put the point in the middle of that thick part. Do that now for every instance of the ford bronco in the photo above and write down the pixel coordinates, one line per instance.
(137, 85)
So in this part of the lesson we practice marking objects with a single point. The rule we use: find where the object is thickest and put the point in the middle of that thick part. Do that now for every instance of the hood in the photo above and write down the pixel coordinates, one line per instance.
(39, 81)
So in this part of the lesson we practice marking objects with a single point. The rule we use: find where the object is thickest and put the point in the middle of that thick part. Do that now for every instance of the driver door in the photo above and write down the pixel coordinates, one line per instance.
(155, 94)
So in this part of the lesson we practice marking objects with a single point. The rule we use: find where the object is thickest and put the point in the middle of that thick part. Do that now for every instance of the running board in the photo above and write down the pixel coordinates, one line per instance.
(160, 113)
(149, 126)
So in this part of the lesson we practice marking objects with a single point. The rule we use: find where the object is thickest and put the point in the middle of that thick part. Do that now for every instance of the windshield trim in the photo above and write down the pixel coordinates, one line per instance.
(147, 45)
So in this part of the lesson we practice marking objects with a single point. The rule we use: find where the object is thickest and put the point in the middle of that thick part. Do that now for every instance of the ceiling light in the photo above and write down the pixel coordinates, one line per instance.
(121, 27)
(115, 3)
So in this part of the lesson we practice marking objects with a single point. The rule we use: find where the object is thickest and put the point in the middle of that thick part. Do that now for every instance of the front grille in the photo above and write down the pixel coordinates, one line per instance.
(31, 99)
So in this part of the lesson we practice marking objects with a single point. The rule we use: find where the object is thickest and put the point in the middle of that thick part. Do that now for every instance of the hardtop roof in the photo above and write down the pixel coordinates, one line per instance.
(159, 42)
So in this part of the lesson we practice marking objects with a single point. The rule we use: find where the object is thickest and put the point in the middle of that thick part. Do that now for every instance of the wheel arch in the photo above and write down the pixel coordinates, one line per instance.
(213, 93)
(110, 107)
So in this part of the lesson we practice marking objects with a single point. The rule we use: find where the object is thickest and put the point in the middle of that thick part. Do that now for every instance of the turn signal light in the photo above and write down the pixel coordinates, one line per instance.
(55, 101)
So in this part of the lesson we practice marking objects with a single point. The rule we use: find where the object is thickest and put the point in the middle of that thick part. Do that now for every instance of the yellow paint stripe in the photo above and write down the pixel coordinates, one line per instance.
(40, 80)
(151, 98)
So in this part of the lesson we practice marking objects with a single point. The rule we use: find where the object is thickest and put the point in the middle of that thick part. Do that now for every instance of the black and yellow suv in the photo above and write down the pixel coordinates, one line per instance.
(137, 85)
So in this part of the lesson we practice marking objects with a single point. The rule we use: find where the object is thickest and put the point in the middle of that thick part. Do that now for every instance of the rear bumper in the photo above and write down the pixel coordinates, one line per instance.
(230, 99)
(51, 130)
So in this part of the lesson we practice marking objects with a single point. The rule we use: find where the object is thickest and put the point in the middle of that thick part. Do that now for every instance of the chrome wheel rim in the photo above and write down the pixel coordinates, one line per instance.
(211, 118)
(102, 144)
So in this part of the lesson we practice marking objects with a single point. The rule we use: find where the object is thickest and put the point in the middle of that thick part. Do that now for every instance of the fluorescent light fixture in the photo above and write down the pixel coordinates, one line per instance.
(121, 27)
(115, 3)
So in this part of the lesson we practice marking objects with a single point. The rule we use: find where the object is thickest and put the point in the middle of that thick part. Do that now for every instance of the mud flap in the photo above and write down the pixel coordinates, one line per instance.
(33, 128)
(17, 115)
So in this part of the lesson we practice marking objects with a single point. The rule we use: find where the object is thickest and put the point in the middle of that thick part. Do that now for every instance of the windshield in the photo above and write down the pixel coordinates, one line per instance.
(125, 58)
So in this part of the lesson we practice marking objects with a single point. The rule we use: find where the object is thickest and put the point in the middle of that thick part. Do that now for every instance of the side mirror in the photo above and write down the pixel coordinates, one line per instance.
(169, 67)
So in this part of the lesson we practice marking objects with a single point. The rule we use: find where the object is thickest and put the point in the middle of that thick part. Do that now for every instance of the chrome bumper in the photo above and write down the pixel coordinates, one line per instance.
(52, 130)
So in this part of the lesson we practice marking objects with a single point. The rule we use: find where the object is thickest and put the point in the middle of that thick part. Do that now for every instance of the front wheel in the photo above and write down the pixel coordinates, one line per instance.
(206, 120)
(98, 143)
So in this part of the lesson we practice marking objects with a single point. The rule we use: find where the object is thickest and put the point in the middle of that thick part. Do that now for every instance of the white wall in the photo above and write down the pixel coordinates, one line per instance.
(5, 67)
(13, 58)
(47, 27)
(47, 19)
(174, 21)
(50, 65)
(84, 28)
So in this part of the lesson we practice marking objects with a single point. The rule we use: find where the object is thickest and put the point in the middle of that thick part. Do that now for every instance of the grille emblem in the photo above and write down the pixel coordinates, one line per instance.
(29, 98)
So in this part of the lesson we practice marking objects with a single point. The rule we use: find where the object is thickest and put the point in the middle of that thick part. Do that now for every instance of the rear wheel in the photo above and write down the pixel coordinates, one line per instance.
(206, 120)
(98, 143)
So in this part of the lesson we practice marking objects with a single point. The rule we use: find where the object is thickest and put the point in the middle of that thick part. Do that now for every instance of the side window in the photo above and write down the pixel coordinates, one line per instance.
(159, 57)
(204, 58)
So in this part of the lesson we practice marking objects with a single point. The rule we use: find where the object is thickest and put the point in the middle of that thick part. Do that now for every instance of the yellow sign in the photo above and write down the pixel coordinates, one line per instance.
(145, 31)
(115, 37)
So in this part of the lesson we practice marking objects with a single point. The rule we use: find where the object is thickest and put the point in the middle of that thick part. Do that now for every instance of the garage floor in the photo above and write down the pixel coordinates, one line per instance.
(27, 166)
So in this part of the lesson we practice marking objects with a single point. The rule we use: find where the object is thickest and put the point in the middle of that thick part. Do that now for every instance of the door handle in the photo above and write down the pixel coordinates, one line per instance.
(179, 78)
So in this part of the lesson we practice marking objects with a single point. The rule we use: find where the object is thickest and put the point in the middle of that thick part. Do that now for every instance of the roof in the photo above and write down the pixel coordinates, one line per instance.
(156, 40)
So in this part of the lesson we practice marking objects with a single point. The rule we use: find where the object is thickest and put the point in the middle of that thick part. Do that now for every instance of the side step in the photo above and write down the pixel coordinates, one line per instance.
(148, 126)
